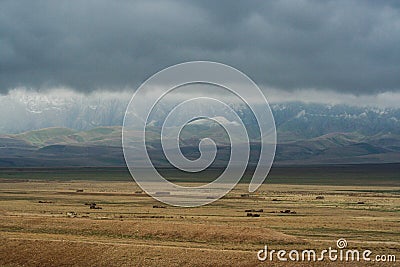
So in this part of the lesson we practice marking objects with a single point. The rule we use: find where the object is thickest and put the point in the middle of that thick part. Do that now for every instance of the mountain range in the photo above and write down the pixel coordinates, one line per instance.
(62, 130)
(301, 140)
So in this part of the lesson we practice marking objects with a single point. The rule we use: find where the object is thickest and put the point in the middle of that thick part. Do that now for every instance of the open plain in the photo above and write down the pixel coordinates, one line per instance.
(54, 223)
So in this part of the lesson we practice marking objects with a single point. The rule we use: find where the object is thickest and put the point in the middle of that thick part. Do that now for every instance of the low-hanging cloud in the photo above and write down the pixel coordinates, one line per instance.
(346, 46)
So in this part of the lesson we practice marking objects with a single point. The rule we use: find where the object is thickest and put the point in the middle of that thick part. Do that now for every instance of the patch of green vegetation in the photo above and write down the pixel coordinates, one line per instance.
(40, 137)
(102, 130)
(67, 174)
(373, 191)
(322, 175)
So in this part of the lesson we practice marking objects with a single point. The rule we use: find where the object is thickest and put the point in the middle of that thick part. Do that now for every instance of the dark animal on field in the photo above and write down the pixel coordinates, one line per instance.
(94, 206)
(253, 210)
(288, 211)
(253, 215)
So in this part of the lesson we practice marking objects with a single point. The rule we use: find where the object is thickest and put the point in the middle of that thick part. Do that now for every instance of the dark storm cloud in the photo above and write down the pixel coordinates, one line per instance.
(347, 46)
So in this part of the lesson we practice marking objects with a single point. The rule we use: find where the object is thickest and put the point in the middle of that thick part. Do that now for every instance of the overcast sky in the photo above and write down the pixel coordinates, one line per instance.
(350, 47)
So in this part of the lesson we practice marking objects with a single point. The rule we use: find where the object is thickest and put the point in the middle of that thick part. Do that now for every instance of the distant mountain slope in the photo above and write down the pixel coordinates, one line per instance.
(50, 136)
(88, 133)
(102, 147)
(46, 136)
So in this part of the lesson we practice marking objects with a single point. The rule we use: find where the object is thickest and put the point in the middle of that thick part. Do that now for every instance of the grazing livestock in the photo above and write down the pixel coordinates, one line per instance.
(253, 215)
(253, 210)
(288, 211)
(94, 206)
(72, 214)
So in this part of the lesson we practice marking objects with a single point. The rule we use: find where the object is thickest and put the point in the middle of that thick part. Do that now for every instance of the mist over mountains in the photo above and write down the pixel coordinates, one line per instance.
(21, 112)
(38, 131)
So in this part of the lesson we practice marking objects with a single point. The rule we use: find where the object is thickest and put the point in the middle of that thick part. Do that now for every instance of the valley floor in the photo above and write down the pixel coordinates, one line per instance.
(46, 223)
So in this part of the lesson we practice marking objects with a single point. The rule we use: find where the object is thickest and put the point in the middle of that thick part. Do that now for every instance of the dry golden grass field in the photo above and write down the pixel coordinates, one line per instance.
(46, 223)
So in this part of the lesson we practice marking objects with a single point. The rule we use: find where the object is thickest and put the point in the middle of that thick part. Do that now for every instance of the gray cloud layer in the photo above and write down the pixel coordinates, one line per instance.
(347, 46)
